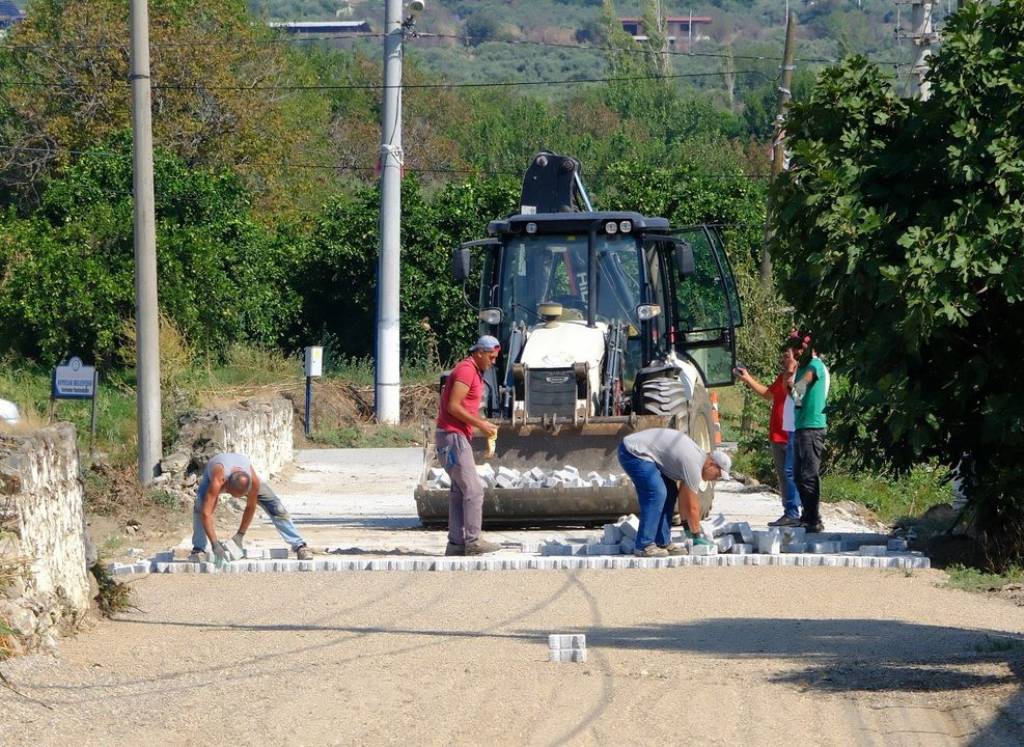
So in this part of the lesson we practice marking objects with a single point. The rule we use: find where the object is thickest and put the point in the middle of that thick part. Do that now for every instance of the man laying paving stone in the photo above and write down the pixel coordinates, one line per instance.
(656, 460)
(233, 474)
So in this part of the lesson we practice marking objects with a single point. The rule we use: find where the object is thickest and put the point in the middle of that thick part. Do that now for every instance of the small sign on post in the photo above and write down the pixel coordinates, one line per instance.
(74, 380)
(314, 366)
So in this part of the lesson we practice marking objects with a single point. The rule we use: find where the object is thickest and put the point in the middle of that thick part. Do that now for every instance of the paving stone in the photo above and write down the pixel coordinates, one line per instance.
(704, 550)
(629, 526)
(741, 528)
(742, 548)
(566, 656)
(277, 553)
(792, 535)
(555, 548)
(569, 641)
(896, 545)
(506, 481)
(873, 550)
(725, 542)
(825, 547)
(254, 553)
(768, 542)
(602, 549)
(795, 547)
(612, 535)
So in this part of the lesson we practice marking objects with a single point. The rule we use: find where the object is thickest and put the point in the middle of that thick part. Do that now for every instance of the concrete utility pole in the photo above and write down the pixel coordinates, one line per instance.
(147, 330)
(923, 36)
(388, 374)
(778, 138)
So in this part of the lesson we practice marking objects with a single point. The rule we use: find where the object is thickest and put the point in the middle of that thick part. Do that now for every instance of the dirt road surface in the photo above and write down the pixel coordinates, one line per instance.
(727, 656)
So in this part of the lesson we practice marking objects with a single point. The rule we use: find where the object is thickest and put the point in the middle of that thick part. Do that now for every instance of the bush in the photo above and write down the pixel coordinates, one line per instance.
(69, 269)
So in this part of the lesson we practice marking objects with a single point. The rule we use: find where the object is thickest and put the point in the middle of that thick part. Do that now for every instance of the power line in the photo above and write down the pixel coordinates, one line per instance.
(375, 86)
(347, 167)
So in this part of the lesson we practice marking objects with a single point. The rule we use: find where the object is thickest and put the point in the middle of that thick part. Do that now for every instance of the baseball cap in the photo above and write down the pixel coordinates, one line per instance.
(724, 463)
(486, 343)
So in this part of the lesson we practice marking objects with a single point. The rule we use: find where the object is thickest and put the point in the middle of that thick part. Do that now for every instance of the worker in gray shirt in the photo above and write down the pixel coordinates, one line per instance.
(658, 460)
(233, 474)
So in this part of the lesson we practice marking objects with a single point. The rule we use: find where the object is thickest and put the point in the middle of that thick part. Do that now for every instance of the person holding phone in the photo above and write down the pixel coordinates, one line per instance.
(781, 425)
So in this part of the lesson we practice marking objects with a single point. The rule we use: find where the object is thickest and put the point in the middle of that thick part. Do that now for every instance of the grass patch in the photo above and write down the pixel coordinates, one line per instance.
(368, 437)
(891, 498)
(967, 578)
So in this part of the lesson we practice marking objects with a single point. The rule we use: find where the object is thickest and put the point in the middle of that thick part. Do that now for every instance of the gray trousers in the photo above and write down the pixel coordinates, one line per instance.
(466, 497)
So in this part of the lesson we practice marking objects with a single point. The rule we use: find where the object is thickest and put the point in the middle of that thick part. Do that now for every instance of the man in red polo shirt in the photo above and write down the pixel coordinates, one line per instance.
(458, 413)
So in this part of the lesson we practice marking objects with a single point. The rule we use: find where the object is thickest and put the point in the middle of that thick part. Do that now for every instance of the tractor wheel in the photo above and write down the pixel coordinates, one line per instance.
(702, 431)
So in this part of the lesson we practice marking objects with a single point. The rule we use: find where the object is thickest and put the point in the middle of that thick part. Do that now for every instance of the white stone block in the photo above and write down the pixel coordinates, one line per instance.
(612, 535)
(715, 526)
(552, 481)
(567, 655)
(768, 542)
(506, 482)
(826, 547)
(485, 470)
(613, 480)
(555, 548)
(792, 535)
(627, 546)
(725, 542)
(896, 545)
(704, 550)
(256, 553)
(602, 549)
(434, 473)
(629, 526)
(509, 472)
(795, 547)
(277, 553)
(571, 470)
(741, 528)
(872, 550)
(570, 641)
(742, 548)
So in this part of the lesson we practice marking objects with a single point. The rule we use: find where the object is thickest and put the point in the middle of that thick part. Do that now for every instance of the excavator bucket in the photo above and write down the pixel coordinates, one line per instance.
(590, 447)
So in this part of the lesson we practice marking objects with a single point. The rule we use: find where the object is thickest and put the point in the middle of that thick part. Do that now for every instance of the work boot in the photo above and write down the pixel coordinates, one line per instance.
(813, 527)
(651, 551)
(304, 553)
(481, 547)
(785, 521)
(454, 549)
(673, 549)
(198, 556)
(700, 539)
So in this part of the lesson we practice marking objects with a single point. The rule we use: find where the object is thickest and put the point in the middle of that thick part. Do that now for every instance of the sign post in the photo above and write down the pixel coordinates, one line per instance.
(74, 380)
(314, 366)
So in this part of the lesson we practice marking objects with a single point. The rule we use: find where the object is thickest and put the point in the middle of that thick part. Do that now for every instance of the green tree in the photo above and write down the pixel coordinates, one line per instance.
(899, 239)
(69, 269)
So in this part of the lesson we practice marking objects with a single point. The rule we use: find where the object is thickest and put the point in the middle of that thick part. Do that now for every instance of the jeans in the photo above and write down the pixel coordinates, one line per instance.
(466, 495)
(782, 454)
(810, 442)
(656, 495)
(267, 500)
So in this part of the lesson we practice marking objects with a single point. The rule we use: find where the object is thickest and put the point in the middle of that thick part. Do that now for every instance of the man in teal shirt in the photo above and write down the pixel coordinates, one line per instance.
(810, 394)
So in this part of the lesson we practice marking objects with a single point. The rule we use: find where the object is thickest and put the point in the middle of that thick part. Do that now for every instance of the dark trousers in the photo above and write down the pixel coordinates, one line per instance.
(810, 442)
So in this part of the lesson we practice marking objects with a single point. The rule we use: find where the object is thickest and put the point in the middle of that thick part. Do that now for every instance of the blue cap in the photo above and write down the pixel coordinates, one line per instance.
(487, 344)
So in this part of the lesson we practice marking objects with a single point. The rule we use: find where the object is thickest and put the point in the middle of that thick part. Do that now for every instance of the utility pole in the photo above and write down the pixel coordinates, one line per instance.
(778, 138)
(923, 36)
(387, 390)
(147, 330)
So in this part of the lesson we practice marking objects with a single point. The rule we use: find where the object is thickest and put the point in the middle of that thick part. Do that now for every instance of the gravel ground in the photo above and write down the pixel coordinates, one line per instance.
(711, 655)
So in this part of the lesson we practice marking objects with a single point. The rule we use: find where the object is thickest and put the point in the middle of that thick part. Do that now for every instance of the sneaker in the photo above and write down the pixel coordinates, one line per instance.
(700, 539)
(673, 549)
(198, 556)
(304, 553)
(815, 527)
(786, 521)
(453, 549)
(651, 551)
(481, 547)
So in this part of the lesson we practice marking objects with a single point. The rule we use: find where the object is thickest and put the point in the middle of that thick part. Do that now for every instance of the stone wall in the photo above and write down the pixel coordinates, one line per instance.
(260, 429)
(44, 539)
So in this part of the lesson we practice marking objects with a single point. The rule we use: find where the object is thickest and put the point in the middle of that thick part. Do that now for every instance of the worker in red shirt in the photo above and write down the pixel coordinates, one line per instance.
(458, 414)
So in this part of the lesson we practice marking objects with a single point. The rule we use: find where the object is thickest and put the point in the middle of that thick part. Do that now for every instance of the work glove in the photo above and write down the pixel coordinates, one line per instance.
(239, 539)
(225, 552)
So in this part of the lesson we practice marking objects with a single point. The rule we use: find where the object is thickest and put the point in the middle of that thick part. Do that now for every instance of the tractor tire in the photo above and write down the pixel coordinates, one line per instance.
(701, 430)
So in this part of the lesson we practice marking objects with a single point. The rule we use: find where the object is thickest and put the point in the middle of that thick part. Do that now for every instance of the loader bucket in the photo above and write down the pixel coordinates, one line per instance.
(589, 447)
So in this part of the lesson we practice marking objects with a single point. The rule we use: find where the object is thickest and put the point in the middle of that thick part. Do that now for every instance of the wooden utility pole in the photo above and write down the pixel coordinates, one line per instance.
(778, 138)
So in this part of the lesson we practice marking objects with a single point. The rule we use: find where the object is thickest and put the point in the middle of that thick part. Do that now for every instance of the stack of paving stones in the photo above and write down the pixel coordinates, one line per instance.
(735, 543)
(511, 479)
(567, 648)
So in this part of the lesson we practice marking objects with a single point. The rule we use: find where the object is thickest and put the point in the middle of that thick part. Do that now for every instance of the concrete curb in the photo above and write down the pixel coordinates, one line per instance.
(520, 563)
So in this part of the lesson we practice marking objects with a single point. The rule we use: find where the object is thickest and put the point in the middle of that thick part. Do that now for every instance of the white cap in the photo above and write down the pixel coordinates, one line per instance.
(724, 462)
